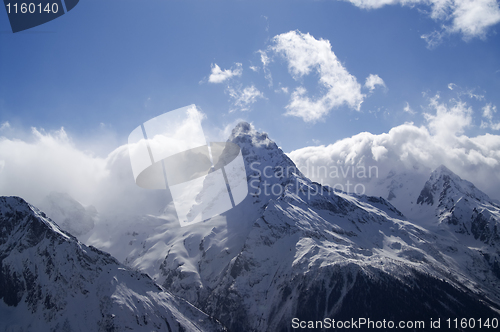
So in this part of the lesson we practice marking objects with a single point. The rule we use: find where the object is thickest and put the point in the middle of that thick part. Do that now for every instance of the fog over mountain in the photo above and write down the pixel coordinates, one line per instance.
(299, 230)
(337, 168)
(403, 158)
(293, 249)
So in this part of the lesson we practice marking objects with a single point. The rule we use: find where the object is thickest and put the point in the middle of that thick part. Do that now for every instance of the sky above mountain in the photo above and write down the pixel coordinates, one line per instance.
(415, 81)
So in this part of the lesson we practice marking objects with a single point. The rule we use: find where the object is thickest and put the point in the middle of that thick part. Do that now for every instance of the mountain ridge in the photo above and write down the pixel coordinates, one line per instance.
(273, 256)
(461, 206)
(50, 281)
(295, 248)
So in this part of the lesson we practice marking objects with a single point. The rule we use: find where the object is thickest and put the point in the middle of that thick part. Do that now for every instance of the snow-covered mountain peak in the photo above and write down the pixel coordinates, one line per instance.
(442, 169)
(445, 187)
(258, 147)
(24, 225)
(267, 166)
(443, 172)
(243, 129)
(245, 135)
(460, 205)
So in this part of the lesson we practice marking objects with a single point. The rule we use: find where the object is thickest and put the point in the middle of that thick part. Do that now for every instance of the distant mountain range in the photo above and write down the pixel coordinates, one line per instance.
(292, 252)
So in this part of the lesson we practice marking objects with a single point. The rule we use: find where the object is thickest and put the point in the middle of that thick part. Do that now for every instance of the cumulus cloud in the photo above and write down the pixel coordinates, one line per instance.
(405, 156)
(448, 121)
(244, 98)
(470, 18)
(473, 18)
(5, 125)
(218, 75)
(372, 81)
(305, 54)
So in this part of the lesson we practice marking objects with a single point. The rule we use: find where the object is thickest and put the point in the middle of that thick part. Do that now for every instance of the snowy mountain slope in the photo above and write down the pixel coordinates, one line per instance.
(457, 210)
(294, 248)
(312, 263)
(454, 209)
(462, 207)
(149, 242)
(400, 187)
(51, 282)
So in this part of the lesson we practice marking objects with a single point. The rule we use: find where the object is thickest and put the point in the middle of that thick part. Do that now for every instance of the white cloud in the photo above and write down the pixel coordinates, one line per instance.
(488, 112)
(467, 92)
(5, 125)
(372, 81)
(45, 162)
(433, 38)
(473, 18)
(264, 58)
(409, 149)
(282, 90)
(470, 18)
(218, 75)
(226, 130)
(243, 99)
(408, 109)
(254, 68)
(306, 54)
(447, 122)
(267, 22)
(470, 93)
(316, 141)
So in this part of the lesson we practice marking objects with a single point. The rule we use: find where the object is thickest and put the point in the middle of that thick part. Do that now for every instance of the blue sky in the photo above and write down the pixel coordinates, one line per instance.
(107, 66)
(119, 63)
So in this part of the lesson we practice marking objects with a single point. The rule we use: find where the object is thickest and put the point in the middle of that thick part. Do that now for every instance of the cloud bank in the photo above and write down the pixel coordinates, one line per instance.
(50, 162)
(410, 149)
